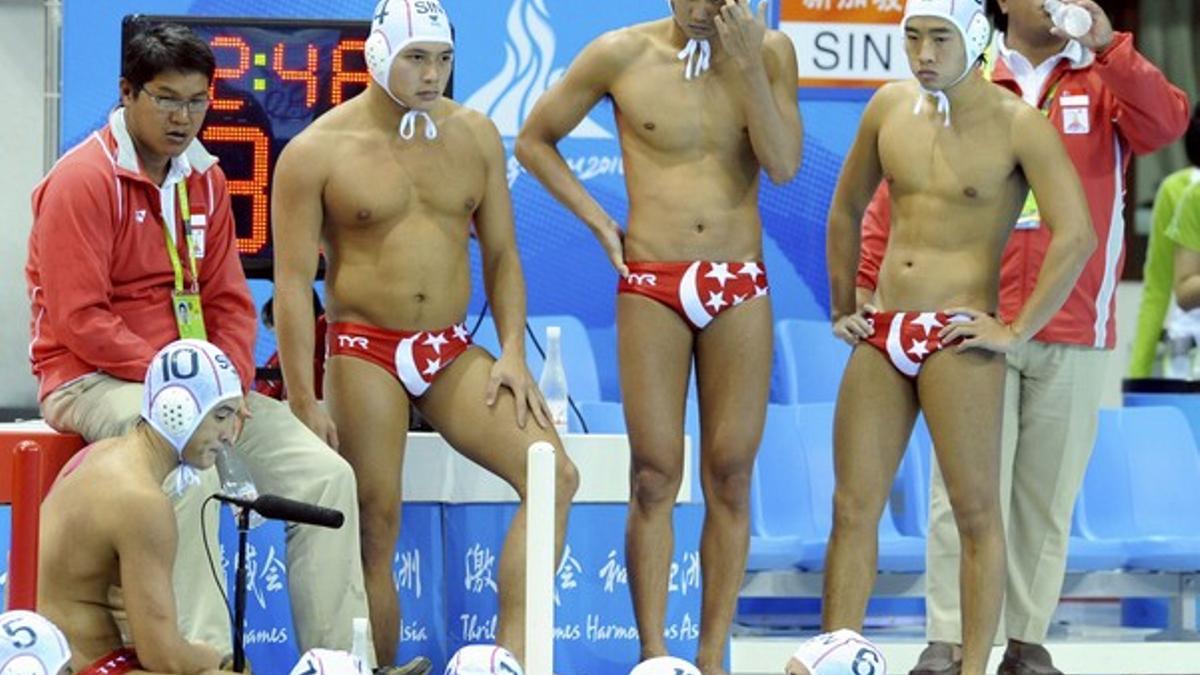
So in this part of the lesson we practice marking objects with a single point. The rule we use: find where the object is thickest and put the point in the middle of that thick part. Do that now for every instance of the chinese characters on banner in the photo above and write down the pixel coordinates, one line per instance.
(846, 43)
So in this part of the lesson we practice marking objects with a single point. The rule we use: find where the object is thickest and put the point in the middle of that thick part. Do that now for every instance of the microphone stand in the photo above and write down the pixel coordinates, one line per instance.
(239, 593)
(276, 508)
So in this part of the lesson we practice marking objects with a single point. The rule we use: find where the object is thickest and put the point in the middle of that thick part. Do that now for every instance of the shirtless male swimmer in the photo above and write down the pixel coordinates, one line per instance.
(107, 522)
(959, 165)
(388, 185)
(695, 137)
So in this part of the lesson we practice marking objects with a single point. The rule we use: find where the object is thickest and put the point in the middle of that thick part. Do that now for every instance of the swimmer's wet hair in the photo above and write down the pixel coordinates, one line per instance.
(164, 47)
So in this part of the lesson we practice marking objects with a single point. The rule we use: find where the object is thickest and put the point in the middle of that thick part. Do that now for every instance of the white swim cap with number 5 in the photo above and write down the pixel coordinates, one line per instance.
(31, 645)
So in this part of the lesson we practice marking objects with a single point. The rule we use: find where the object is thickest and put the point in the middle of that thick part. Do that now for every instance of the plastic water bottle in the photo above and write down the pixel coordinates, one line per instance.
(360, 647)
(553, 381)
(1072, 19)
(236, 481)
(1178, 364)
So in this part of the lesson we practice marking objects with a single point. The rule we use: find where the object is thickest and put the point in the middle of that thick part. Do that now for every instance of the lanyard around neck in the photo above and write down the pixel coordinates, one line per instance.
(172, 252)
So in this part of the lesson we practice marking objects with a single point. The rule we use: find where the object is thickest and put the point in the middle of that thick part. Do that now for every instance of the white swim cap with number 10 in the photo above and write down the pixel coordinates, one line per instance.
(185, 381)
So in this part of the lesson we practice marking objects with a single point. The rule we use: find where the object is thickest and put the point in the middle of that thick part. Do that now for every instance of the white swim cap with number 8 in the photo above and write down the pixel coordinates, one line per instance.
(842, 652)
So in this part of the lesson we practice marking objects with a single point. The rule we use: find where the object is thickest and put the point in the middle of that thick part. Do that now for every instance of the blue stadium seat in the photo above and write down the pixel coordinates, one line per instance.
(582, 379)
(1087, 551)
(792, 497)
(604, 348)
(1141, 488)
(808, 362)
(782, 531)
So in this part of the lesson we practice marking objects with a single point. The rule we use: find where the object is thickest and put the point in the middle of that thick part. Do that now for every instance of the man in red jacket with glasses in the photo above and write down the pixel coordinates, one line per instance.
(1108, 103)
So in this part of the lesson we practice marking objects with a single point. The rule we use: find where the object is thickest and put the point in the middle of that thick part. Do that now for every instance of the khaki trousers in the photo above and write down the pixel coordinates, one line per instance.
(325, 578)
(1051, 401)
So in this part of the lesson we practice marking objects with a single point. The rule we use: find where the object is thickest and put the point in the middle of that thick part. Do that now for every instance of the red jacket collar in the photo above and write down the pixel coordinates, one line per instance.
(118, 146)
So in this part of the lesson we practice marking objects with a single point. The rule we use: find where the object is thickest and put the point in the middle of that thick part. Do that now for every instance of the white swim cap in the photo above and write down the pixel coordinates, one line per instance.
(397, 24)
(31, 645)
(971, 22)
(483, 660)
(968, 18)
(664, 665)
(329, 662)
(842, 652)
(185, 381)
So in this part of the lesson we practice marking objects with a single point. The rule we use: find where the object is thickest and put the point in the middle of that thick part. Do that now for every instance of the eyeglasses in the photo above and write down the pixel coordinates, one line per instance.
(167, 104)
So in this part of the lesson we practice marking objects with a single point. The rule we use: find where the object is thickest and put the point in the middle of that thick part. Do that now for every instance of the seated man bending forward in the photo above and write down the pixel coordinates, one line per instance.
(107, 523)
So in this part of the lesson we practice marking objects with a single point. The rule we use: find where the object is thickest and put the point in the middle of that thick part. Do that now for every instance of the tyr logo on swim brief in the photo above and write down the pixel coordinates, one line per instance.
(642, 279)
(354, 342)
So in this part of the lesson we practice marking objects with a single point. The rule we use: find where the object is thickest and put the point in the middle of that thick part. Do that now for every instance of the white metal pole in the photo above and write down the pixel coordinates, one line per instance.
(539, 560)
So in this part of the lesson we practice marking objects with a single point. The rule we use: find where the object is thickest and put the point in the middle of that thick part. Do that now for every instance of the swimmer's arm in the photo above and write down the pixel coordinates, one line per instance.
(772, 113)
(296, 218)
(1187, 278)
(502, 275)
(861, 173)
(876, 229)
(559, 110)
(145, 539)
(1065, 213)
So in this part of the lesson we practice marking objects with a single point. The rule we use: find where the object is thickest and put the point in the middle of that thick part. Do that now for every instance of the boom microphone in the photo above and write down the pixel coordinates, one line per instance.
(282, 508)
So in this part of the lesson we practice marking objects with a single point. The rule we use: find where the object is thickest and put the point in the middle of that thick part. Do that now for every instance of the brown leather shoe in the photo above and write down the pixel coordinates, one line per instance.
(418, 666)
(1026, 658)
(937, 659)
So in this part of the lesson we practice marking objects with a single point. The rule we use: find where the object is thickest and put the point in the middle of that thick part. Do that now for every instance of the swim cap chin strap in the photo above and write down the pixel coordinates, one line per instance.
(408, 123)
(697, 57)
(971, 23)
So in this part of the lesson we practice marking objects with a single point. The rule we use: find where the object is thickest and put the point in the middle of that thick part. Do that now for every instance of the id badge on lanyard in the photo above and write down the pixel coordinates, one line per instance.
(185, 301)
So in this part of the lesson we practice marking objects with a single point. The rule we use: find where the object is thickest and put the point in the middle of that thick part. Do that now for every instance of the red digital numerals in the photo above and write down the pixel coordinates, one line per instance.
(255, 187)
(233, 51)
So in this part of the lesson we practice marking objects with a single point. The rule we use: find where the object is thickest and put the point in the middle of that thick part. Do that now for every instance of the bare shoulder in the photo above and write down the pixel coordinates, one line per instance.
(121, 501)
(313, 145)
(617, 49)
(778, 45)
(481, 127)
(141, 511)
(889, 96)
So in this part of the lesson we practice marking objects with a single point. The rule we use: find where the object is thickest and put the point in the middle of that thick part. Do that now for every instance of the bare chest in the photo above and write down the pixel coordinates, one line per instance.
(973, 165)
(657, 107)
(392, 181)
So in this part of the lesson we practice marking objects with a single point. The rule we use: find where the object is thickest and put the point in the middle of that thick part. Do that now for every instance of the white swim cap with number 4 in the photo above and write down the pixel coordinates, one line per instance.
(483, 660)
(31, 645)
(664, 665)
(842, 652)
